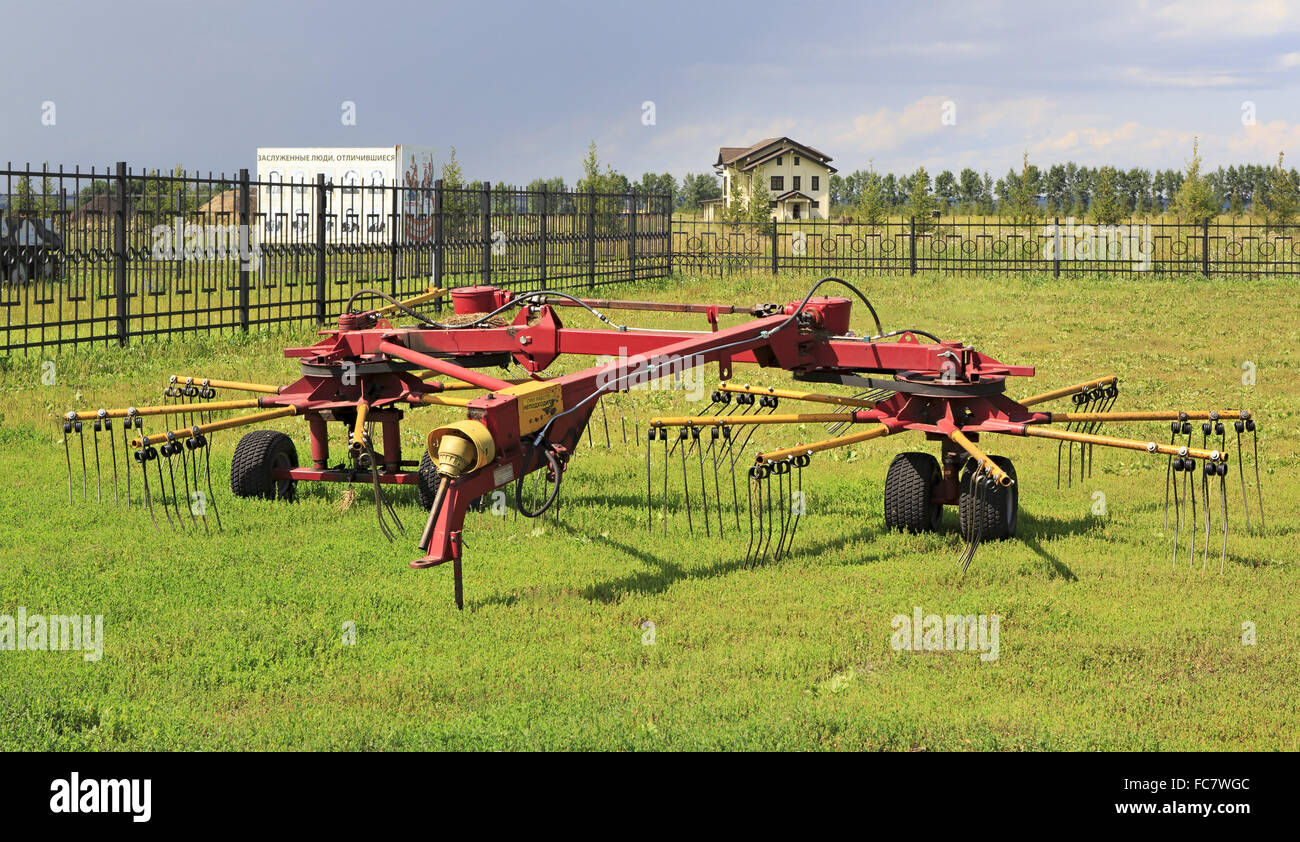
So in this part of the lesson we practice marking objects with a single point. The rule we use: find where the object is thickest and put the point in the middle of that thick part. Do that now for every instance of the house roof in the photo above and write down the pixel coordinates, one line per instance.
(748, 157)
(792, 194)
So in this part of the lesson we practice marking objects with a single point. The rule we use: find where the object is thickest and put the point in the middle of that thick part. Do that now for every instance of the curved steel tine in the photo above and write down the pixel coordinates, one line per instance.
(686, 485)
(1178, 514)
(714, 436)
(1191, 494)
(704, 489)
(81, 439)
(649, 510)
(99, 484)
(1205, 500)
(1169, 467)
(189, 498)
(171, 474)
(751, 481)
(767, 539)
(162, 490)
(1259, 490)
(798, 508)
(112, 449)
(207, 475)
(1241, 474)
(67, 455)
(1223, 502)
(605, 417)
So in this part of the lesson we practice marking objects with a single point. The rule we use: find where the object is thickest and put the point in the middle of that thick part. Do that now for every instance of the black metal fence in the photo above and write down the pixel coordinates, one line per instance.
(105, 257)
(1054, 245)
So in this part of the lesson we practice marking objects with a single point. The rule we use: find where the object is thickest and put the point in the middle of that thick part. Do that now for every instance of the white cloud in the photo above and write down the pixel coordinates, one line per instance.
(1215, 19)
(1191, 79)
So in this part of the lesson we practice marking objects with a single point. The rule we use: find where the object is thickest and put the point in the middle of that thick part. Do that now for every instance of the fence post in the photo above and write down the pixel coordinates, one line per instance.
(320, 248)
(776, 245)
(485, 214)
(1056, 247)
(911, 246)
(541, 269)
(591, 238)
(392, 240)
(631, 240)
(246, 236)
(119, 254)
(438, 242)
(1205, 248)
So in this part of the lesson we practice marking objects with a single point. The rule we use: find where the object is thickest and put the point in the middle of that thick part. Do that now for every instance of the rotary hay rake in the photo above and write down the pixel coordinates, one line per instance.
(369, 371)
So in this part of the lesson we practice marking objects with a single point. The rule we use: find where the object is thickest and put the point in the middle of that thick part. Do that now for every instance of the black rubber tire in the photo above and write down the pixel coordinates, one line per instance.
(909, 492)
(1000, 509)
(427, 486)
(256, 455)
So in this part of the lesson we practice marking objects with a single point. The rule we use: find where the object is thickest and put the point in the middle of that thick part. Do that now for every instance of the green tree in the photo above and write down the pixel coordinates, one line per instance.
(1194, 199)
(872, 207)
(921, 203)
(23, 201)
(737, 209)
(1022, 193)
(1282, 198)
(1105, 208)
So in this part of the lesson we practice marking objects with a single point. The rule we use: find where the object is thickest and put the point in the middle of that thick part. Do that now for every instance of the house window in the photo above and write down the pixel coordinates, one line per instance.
(816, 183)
(796, 160)
(778, 160)
(778, 182)
(796, 182)
(814, 203)
(771, 204)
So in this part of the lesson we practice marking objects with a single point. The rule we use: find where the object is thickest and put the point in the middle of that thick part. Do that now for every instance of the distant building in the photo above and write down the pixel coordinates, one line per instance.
(359, 209)
(796, 176)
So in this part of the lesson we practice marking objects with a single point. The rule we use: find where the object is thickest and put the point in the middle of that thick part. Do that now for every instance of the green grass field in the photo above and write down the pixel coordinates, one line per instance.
(235, 641)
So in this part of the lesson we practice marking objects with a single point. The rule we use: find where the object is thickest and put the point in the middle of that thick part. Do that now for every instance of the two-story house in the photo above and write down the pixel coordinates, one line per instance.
(797, 178)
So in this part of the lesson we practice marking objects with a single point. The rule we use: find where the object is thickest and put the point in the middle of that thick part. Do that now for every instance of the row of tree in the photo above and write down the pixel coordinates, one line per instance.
(1103, 194)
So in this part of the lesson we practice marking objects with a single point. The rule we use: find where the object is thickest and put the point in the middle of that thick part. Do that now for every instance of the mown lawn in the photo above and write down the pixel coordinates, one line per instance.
(236, 641)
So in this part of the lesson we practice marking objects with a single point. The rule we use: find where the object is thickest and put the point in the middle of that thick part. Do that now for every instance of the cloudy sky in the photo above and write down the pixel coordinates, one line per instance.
(520, 89)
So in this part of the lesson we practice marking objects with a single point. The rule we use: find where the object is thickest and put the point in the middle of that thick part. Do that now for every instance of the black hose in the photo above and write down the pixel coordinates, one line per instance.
(554, 462)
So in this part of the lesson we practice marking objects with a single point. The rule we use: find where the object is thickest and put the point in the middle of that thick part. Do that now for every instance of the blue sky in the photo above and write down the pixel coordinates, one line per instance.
(521, 89)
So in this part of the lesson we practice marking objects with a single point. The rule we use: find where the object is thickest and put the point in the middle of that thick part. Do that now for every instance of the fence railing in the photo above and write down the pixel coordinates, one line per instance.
(1054, 245)
(106, 257)
(109, 256)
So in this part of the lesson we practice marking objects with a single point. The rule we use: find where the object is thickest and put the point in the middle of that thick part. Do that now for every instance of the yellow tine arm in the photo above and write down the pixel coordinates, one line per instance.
(741, 420)
(999, 475)
(1069, 390)
(225, 424)
(1126, 444)
(169, 409)
(228, 384)
(826, 444)
(1056, 417)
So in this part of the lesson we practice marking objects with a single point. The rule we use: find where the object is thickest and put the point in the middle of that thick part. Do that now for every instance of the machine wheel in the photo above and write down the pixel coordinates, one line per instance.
(427, 486)
(909, 489)
(256, 455)
(998, 512)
